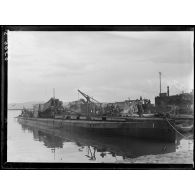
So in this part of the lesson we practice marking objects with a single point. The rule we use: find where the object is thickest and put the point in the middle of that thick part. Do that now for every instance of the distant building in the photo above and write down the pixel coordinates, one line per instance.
(180, 103)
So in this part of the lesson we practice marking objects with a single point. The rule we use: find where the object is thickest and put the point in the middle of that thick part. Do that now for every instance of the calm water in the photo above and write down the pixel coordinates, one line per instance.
(27, 144)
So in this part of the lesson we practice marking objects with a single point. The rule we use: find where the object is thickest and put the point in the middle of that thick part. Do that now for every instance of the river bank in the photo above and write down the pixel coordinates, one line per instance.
(184, 156)
(180, 157)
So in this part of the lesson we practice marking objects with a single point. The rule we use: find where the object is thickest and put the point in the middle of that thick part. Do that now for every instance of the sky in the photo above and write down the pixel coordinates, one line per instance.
(107, 65)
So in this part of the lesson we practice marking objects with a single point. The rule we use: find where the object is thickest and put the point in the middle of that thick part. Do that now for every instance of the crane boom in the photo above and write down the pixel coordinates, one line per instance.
(88, 97)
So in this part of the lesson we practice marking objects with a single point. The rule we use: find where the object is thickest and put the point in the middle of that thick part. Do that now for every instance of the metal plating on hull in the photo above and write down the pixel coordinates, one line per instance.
(150, 129)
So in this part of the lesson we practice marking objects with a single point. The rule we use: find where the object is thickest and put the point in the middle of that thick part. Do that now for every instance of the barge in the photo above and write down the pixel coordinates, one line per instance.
(153, 128)
(89, 116)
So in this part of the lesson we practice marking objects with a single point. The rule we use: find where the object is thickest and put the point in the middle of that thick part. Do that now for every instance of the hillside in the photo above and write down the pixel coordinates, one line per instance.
(27, 105)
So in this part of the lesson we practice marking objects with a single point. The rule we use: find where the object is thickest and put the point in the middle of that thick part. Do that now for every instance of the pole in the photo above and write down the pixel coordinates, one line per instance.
(160, 82)
(54, 93)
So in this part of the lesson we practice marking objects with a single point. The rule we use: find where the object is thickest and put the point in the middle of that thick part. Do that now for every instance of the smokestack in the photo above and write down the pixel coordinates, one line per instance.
(167, 90)
(160, 82)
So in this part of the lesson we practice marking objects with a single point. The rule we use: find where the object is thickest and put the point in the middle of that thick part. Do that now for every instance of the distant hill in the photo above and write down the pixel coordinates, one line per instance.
(28, 105)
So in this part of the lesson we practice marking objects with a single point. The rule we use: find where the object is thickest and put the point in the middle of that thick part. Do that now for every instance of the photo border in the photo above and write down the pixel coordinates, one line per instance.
(72, 166)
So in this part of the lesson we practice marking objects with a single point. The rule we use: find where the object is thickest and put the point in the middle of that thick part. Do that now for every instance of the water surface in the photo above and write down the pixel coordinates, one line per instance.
(28, 144)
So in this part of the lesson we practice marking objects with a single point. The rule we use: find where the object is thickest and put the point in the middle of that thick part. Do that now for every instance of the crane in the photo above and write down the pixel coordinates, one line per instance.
(89, 100)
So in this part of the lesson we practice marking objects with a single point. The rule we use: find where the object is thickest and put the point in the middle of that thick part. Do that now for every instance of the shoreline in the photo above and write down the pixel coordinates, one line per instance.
(180, 157)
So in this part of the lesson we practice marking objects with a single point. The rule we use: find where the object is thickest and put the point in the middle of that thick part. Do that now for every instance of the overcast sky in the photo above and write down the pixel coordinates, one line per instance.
(110, 66)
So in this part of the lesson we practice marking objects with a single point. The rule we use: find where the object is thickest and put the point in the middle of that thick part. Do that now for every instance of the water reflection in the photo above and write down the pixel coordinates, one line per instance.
(102, 146)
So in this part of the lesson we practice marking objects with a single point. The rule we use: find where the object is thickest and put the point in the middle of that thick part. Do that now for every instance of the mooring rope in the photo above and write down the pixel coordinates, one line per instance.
(176, 129)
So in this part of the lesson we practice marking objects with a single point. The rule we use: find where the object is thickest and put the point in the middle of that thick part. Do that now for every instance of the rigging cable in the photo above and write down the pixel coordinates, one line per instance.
(176, 129)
